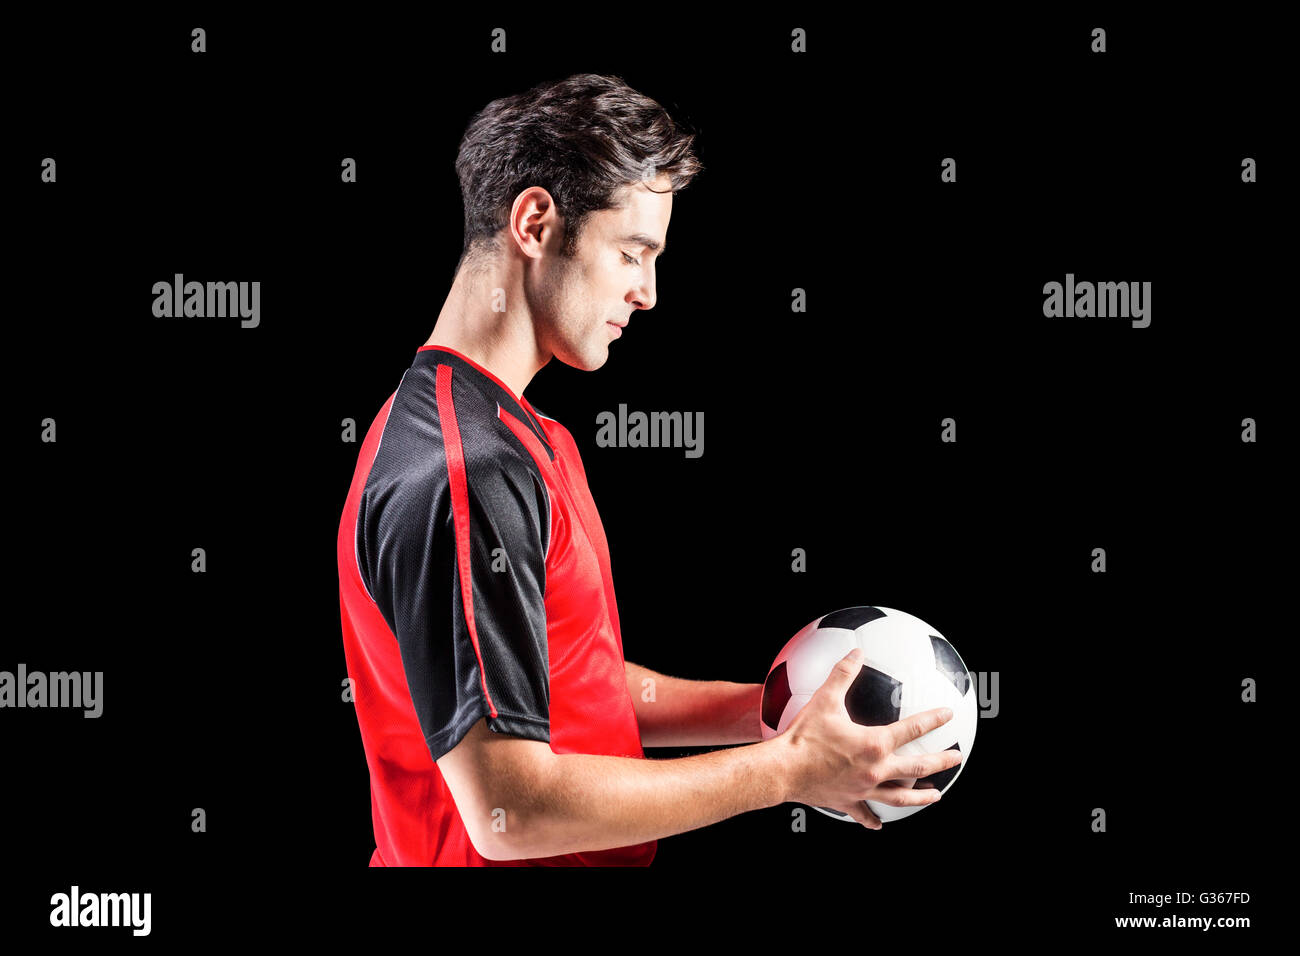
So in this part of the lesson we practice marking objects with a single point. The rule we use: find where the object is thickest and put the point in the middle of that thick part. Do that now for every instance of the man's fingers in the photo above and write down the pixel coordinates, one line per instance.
(860, 812)
(844, 673)
(920, 765)
(918, 725)
(903, 796)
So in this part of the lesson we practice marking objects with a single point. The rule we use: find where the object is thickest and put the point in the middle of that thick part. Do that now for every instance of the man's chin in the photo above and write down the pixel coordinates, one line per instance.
(588, 362)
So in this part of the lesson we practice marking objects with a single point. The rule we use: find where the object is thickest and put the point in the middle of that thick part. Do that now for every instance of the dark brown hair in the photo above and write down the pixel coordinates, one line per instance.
(580, 139)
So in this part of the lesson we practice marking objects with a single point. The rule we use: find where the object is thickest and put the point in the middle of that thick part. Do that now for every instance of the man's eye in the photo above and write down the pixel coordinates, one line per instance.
(630, 260)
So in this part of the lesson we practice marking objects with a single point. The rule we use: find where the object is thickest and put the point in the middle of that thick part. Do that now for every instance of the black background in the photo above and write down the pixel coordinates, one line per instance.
(223, 690)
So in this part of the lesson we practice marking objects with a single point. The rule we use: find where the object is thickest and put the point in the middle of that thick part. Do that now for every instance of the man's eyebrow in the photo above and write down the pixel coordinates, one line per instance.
(641, 239)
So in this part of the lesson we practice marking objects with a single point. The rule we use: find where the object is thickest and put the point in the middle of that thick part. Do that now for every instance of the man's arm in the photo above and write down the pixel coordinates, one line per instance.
(673, 712)
(519, 800)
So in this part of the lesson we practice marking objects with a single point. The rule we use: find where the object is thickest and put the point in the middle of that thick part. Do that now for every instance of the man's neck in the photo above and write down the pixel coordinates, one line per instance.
(502, 343)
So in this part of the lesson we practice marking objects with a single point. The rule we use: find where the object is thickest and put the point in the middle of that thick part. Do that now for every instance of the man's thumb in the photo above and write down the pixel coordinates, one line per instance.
(846, 669)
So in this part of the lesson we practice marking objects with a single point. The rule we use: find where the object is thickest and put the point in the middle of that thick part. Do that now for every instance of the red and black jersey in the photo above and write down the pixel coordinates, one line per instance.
(474, 581)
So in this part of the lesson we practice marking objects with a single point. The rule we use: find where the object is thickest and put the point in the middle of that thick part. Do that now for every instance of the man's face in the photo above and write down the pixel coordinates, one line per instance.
(575, 301)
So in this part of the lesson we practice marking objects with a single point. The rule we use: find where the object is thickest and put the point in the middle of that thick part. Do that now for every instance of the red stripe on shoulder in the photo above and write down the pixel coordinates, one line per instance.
(459, 487)
(525, 435)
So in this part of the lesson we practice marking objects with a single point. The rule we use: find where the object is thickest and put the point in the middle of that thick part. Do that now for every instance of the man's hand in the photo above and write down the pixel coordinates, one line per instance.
(833, 762)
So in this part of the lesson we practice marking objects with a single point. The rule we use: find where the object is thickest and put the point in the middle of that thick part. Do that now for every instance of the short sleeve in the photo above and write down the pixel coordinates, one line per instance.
(467, 653)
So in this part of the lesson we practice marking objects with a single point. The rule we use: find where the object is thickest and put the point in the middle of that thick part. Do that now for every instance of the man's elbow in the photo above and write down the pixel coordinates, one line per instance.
(509, 824)
(494, 847)
(499, 785)
(502, 841)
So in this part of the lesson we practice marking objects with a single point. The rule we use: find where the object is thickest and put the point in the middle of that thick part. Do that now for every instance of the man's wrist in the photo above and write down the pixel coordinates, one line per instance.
(748, 727)
(777, 758)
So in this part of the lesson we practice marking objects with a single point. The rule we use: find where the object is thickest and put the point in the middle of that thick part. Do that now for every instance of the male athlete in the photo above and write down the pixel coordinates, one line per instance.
(501, 724)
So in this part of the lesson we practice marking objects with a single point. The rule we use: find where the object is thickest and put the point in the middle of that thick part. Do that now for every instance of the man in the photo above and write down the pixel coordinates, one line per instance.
(500, 721)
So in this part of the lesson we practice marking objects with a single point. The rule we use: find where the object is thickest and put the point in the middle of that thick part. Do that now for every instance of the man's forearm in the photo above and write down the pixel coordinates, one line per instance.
(588, 802)
(674, 712)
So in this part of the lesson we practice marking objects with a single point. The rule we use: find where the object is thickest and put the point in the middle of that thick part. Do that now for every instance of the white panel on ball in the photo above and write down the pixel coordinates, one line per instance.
(819, 652)
(888, 645)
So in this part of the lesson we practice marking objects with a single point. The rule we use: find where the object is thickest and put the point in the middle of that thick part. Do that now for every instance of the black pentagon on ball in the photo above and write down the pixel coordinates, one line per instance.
(941, 779)
(851, 618)
(872, 698)
(950, 664)
(776, 694)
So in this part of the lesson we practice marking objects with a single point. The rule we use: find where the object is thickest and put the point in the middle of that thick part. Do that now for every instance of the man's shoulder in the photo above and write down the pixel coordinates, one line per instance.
(419, 443)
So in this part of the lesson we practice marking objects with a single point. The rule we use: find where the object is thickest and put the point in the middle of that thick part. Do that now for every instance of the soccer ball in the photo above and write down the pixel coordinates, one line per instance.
(907, 667)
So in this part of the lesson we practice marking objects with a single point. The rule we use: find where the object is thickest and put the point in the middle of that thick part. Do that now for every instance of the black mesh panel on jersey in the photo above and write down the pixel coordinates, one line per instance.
(406, 544)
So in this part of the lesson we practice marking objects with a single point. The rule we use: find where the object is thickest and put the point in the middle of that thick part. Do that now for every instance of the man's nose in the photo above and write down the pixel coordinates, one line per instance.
(644, 296)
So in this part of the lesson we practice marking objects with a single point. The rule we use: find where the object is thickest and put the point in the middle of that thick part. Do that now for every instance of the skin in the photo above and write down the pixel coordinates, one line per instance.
(558, 307)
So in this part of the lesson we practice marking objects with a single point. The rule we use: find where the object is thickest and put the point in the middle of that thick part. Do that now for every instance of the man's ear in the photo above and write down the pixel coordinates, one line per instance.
(534, 226)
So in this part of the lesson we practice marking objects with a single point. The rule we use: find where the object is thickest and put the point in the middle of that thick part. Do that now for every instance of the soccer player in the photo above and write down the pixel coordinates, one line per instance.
(500, 721)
